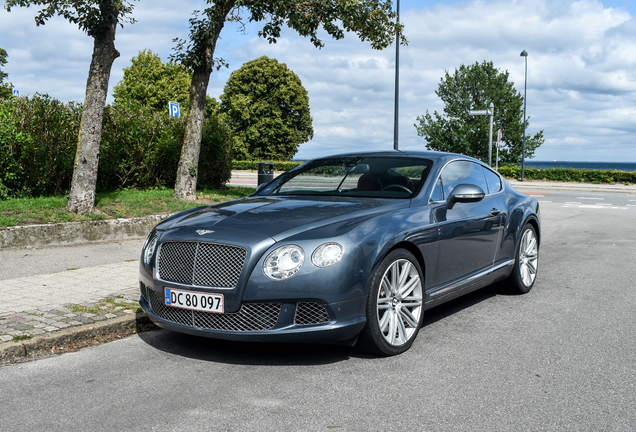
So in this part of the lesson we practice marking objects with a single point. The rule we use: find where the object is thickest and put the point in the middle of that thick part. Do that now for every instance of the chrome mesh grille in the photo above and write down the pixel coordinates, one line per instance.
(201, 264)
(310, 313)
(251, 317)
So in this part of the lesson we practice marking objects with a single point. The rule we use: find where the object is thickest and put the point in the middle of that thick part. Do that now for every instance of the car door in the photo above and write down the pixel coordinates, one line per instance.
(469, 232)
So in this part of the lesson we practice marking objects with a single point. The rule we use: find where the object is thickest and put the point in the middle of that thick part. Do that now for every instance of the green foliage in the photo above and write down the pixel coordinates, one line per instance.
(370, 20)
(149, 82)
(476, 87)
(215, 159)
(570, 175)
(37, 145)
(94, 17)
(267, 109)
(140, 148)
(6, 89)
(253, 165)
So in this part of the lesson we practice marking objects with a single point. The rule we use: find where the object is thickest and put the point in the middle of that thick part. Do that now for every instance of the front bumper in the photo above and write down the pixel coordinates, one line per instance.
(293, 322)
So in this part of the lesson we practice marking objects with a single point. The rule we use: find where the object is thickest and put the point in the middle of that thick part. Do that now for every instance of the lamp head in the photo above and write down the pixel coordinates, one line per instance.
(524, 53)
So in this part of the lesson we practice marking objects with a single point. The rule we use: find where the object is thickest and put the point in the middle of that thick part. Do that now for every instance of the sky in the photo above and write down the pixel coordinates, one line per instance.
(581, 88)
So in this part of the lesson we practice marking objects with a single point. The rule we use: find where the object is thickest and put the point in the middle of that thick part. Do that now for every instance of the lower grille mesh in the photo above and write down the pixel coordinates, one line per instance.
(251, 317)
(310, 313)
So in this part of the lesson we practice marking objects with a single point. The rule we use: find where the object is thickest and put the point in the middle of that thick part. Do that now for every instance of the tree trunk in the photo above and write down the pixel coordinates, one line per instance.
(185, 187)
(81, 199)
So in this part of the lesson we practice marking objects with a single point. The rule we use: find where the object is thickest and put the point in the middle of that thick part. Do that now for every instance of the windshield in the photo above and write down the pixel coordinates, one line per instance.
(362, 176)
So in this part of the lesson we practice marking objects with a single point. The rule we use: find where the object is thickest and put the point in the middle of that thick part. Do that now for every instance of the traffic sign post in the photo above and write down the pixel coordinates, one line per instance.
(499, 136)
(175, 110)
(489, 112)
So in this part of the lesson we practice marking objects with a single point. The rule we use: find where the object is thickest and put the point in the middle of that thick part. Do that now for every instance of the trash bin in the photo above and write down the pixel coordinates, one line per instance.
(265, 172)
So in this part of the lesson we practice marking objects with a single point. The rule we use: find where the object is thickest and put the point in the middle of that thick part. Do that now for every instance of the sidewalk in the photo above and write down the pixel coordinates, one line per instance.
(40, 314)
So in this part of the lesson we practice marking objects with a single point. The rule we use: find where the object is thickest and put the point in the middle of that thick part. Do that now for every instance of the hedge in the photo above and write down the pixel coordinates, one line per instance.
(570, 175)
(253, 165)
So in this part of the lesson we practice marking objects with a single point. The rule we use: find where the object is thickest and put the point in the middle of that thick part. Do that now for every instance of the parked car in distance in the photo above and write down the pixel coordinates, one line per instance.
(342, 249)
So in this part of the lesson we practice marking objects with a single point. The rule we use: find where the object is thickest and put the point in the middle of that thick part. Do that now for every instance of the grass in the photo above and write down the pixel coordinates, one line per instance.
(110, 205)
(105, 305)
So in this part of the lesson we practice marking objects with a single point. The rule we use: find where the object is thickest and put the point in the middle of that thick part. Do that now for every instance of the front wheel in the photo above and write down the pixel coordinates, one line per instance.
(395, 305)
(524, 273)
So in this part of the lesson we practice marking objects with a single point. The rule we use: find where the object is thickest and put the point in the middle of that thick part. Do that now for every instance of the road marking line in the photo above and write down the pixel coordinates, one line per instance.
(599, 199)
(567, 202)
(551, 201)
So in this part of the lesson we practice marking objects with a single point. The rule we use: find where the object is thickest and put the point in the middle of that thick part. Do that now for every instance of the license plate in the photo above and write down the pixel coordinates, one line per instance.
(194, 300)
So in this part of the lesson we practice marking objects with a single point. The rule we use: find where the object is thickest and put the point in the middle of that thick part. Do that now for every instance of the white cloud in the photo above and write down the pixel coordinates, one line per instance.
(581, 68)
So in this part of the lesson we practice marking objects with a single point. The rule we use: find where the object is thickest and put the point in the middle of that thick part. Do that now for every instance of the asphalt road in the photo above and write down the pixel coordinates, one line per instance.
(561, 358)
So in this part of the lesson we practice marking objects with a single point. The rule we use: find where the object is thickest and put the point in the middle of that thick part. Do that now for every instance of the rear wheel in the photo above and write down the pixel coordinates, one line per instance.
(395, 305)
(522, 278)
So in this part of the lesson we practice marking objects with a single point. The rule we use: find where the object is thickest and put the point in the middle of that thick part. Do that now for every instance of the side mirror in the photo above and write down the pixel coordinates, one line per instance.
(465, 193)
(260, 187)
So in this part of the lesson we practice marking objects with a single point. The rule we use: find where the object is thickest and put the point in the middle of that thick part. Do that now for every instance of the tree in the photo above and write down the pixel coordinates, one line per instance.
(371, 20)
(6, 89)
(151, 83)
(99, 19)
(476, 87)
(267, 109)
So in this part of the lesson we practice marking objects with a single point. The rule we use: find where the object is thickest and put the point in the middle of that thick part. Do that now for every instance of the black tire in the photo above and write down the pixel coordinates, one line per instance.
(526, 265)
(395, 306)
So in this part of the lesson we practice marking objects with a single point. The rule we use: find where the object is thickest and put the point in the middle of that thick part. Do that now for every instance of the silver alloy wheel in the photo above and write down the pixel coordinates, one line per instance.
(399, 302)
(528, 257)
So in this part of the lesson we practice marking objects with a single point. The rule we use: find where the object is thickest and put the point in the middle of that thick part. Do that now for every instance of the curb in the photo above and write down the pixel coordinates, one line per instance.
(57, 342)
(68, 233)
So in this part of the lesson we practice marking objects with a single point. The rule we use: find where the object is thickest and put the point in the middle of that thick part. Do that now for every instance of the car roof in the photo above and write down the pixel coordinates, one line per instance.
(433, 155)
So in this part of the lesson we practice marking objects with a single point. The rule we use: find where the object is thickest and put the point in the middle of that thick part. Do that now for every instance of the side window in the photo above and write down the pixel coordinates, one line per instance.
(493, 180)
(437, 194)
(460, 172)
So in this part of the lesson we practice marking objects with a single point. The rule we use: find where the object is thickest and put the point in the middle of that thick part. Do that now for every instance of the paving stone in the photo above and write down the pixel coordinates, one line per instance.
(74, 323)
(110, 315)
(6, 338)
(99, 318)
(62, 325)
(50, 328)
(39, 326)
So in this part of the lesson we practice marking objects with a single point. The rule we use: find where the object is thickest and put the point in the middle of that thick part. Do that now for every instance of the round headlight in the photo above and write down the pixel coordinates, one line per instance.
(283, 262)
(327, 254)
(150, 250)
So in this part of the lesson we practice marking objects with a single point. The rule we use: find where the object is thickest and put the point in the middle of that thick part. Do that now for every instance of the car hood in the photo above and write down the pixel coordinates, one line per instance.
(279, 218)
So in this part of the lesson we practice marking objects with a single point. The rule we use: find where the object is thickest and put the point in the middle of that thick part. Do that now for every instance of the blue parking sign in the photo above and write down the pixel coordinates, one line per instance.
(174, 109)
(16, 93)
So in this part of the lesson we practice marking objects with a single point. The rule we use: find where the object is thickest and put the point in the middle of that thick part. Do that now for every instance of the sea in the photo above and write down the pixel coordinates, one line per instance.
(611, 166)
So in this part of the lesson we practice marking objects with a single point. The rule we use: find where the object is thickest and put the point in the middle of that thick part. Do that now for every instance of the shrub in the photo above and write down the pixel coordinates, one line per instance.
(37, 145)
(139, 148)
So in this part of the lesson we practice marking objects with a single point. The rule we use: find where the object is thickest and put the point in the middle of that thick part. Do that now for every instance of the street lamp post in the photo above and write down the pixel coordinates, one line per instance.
(397, 84)
(524, 54)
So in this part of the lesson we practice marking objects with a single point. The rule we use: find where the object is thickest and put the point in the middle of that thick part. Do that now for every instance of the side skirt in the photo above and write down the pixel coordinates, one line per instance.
(458, 288)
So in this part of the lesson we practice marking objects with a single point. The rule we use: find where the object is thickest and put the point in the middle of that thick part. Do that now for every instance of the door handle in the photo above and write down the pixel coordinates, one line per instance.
(494, 212)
